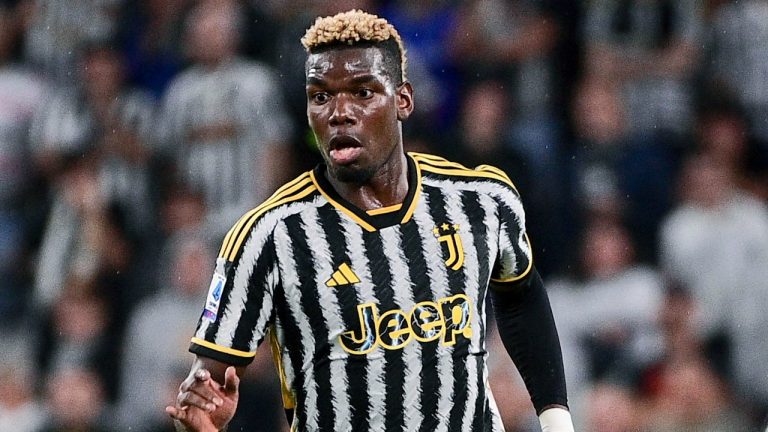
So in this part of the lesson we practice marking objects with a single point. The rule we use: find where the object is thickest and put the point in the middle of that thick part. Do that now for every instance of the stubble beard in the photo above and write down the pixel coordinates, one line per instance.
(353, 175)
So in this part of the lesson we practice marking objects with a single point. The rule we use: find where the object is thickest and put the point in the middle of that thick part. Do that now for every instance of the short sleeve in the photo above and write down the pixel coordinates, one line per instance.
(515, 259)
(238, 308)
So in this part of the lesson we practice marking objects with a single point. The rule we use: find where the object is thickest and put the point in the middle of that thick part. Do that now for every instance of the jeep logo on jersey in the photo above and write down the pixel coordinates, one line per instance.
(448, 235)
(427, 321)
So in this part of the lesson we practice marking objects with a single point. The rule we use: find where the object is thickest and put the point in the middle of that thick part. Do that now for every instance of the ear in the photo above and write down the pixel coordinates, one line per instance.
(404, 95)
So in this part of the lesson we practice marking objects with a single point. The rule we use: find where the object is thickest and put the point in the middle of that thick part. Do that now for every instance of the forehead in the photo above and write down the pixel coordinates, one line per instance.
(346, 63)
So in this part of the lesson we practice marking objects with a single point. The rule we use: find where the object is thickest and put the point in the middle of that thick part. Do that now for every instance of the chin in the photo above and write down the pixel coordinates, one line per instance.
(351, 173)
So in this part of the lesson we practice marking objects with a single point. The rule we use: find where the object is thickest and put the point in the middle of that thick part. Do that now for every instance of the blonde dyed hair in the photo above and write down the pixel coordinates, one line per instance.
(350, 28)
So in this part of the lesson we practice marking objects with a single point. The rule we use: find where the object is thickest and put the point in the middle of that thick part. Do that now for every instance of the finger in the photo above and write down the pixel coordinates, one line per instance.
(202, 375)
(175, 413)
(231, 380)
(193, 399)
(208, 389)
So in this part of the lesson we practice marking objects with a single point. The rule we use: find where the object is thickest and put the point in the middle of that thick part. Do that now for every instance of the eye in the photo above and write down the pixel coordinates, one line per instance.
(320, 98)
(364, 93)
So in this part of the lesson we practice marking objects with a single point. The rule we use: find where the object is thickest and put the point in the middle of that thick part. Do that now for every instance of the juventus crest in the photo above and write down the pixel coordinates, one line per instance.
(449, 238)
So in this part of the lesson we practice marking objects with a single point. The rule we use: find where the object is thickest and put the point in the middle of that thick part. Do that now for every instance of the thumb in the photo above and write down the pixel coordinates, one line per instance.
(231, 380)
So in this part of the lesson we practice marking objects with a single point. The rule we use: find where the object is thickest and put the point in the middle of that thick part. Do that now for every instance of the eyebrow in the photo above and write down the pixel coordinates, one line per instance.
(362, 79)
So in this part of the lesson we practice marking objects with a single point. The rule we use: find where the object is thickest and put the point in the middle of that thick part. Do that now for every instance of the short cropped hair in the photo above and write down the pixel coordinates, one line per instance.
(356, 28)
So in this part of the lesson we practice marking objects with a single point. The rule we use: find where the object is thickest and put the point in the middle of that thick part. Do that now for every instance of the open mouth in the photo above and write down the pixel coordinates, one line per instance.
(344, 149)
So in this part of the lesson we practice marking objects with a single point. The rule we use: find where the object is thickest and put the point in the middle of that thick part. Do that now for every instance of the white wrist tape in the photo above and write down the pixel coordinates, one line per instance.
(556, 420)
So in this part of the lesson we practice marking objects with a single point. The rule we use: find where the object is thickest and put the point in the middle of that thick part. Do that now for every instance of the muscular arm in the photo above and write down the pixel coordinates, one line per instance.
(527, 329)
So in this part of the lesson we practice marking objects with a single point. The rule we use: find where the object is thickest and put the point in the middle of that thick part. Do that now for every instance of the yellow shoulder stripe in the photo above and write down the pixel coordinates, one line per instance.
(301, 193)
(493, 169)
(465, 173)
(225, 350)
(439, 165)
(427, 156)
(236, 229)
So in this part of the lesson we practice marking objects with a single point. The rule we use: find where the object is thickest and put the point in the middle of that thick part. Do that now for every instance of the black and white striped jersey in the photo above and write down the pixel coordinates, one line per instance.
(376, 319)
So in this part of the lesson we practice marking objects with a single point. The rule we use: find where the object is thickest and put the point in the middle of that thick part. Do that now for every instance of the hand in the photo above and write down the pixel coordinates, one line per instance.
(204, 405)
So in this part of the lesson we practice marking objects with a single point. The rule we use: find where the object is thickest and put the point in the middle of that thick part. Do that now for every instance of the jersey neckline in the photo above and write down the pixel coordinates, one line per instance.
(376, 221)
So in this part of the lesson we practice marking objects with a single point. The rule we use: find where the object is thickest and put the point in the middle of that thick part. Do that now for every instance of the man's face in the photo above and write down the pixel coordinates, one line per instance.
(354, 108)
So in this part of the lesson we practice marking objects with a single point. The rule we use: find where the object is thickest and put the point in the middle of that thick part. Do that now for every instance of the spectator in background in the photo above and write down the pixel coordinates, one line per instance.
(715, 237)
(55, 30)
(609, 162)
(651, 48)
(612, 407)
(81, 330)
(87, 237)
(426, 28)
(606, 318)
(20, 411)
(514, 41)
(150, 36)
(736, 53)
(684, 390)
(106, 118)
(225, 126)
(122, 117)
(177, 297)
(716, 243)
(21, 93)
(76, 402)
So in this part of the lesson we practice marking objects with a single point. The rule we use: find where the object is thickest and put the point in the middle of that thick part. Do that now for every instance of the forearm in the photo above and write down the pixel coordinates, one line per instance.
(527, 329)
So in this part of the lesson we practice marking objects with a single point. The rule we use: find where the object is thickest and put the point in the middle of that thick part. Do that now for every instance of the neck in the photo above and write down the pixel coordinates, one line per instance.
(388, 186)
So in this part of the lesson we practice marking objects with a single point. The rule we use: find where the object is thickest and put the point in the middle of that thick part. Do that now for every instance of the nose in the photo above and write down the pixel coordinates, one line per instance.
(342, 112)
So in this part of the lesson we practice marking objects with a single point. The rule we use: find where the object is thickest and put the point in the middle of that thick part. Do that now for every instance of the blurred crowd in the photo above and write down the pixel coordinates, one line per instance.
(134, 133)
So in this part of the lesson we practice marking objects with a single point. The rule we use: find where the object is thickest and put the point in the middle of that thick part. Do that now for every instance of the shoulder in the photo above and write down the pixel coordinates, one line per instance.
(438, 170)
(291, 198)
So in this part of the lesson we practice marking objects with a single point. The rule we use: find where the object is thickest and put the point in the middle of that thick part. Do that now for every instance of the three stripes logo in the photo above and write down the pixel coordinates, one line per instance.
(342, 276)
(448, 235)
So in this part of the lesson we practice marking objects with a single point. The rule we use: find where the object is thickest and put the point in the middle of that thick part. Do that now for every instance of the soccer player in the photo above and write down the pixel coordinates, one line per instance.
(369, 273)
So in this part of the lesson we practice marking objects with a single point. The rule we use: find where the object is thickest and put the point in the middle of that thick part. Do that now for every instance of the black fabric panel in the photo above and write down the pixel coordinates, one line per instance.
(257, 290)
(394, 366)
(527, 329)
(347, 298)
(219, 356)
(318, 326)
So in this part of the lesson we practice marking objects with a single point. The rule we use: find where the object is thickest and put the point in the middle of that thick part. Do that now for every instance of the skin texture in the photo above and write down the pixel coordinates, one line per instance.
(351, 101)
(203, 404)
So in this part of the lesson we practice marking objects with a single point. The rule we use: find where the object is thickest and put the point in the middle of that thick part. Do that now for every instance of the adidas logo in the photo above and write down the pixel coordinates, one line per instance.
(342, 276)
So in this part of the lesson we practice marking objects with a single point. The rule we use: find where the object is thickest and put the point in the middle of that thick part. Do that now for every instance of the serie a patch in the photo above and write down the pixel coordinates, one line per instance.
(213, 299)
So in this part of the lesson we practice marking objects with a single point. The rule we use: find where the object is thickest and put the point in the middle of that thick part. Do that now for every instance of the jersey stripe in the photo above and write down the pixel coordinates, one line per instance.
(417, 249)
(403, 372)
(453, 283)
(247, 226)
(368, 411)
(323, 300)
(320, 408)
(237, 228)
(298, 339)
(442, 166)
(349, 374)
